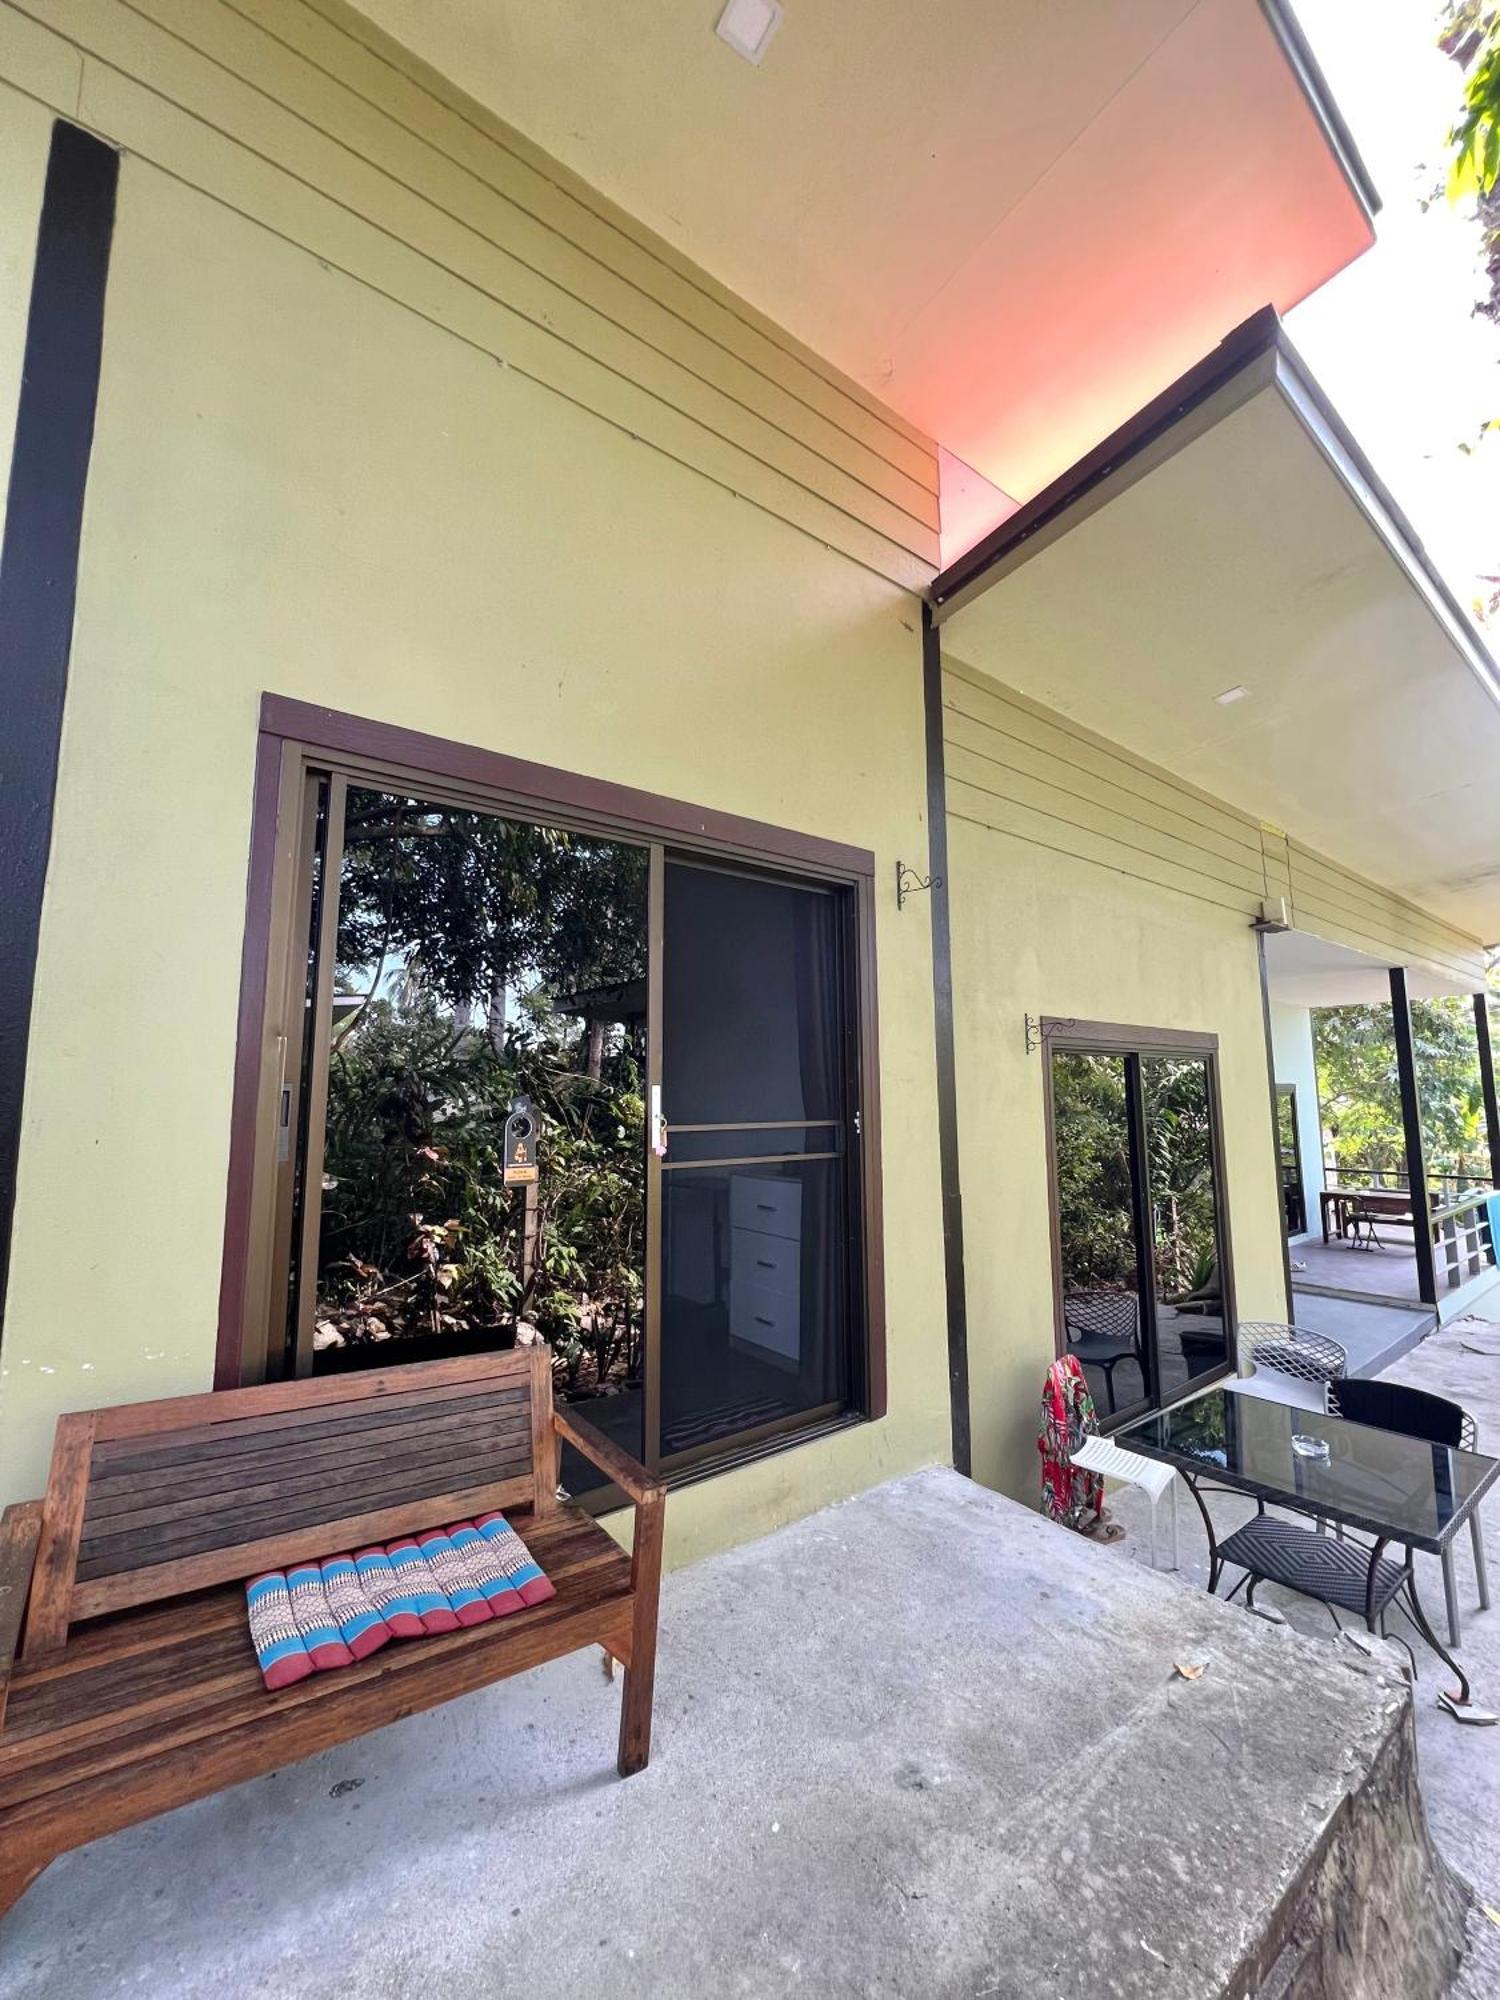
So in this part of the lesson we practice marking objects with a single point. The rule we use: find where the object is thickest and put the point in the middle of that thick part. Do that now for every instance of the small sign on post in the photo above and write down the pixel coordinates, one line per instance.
(518, 1166)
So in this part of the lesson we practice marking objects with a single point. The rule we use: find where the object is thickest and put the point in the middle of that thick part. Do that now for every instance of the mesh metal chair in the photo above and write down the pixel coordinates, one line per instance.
(1104, 1329)
(1417, 1413)
(1290, 1350)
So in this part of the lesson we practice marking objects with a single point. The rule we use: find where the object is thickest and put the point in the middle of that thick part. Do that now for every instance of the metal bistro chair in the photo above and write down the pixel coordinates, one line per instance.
(1290, 1350)
(1104, 1329)
(1416, 1413)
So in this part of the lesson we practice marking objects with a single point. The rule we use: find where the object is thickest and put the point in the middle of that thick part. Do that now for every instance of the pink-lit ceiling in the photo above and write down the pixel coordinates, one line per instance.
(1013, 221)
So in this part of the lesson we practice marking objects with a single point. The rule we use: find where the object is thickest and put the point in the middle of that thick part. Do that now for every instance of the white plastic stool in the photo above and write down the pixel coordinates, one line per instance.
(1097, 1454)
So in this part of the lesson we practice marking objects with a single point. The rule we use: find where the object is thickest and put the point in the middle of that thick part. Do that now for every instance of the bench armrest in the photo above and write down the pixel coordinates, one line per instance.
(627, 1473)
(20, 1531)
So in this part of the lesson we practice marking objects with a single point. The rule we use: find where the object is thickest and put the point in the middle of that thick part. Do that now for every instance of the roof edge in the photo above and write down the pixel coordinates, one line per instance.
(1256, 355)
(1309, 76)
(1250, 342)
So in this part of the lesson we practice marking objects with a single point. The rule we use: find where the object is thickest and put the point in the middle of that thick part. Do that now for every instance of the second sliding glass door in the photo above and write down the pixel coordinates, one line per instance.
(1138, 1222)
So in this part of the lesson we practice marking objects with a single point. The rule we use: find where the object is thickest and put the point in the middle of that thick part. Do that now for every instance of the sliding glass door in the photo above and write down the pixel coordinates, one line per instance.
(684, 1034)
(1142, 1296)
(758, 1258)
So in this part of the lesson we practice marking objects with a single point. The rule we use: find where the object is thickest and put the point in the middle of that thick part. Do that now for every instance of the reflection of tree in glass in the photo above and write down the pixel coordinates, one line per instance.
(1198, 1428)
(1095, 1219)
(479, 907)
(486, 959)
(1180, 1160)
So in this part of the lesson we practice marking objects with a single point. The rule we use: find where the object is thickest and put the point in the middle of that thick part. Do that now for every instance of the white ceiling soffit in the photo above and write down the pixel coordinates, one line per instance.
(1307, 971)
(1247, 544)
(1014, 222)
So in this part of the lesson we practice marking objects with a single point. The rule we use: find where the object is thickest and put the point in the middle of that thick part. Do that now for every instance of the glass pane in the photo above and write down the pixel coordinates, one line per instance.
(1293, 1197)
(755, 1307)
(1379, 1480)
(752, 1006)
(1179, 1147)
(480, 959)
(1096, 1226)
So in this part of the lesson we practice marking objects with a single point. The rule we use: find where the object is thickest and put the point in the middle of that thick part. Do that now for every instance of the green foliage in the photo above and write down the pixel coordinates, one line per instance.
(419, 1235)
(461, 936)
(1475, 139)
(1094, 1180)
(1360, 1096)
(1093, 1173)
(1179, 1147)
(484, 903)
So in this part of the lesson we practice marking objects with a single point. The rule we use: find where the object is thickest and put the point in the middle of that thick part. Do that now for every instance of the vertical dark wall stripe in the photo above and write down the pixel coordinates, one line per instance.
(39, 577)
(947, 1082)
(1411, 1121)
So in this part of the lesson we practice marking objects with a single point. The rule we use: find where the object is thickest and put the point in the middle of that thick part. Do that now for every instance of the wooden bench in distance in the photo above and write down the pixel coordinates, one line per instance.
(128, 1683)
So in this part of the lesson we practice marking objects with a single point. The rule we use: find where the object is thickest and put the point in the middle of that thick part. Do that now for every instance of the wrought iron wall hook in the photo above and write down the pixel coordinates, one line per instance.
(910, 883)
(1040, 1031)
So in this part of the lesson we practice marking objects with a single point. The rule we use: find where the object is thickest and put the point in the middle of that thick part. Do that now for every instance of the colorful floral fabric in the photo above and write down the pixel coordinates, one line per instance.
(1069, 1495)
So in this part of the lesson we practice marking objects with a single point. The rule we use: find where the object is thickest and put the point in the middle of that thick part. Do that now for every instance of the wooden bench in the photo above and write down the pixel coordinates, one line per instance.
(128, 1683)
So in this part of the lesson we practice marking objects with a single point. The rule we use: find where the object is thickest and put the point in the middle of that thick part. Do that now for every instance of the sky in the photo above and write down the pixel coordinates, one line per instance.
(1393, 339)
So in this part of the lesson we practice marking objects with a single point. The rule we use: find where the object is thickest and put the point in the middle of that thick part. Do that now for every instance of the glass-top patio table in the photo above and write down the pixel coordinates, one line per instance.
(1399, 1490)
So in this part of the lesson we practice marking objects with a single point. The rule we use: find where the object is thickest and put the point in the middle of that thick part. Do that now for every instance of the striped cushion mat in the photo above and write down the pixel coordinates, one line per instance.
(320, 1615)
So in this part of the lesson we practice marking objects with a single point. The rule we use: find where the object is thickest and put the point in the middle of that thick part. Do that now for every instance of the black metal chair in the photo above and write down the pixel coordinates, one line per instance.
(1104, 1329)
(1417, 1413)
(1291, 1350)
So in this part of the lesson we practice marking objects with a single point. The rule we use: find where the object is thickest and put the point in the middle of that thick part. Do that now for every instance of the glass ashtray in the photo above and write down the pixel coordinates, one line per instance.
(1311, 1447)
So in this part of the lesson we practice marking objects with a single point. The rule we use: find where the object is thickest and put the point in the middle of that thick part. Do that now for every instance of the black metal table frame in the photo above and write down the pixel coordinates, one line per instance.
(1413, 1610)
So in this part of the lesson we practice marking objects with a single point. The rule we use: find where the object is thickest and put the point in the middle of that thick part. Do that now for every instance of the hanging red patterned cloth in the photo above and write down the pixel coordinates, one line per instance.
(1073, 1497)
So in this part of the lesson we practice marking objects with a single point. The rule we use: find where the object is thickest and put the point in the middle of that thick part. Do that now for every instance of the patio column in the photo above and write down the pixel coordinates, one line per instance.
(1411, 1119)
(1487, 1083)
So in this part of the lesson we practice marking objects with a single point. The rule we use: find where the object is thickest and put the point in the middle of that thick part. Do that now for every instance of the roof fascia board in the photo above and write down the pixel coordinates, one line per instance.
(1242, 363)
(1256, 355)
(1310, 79)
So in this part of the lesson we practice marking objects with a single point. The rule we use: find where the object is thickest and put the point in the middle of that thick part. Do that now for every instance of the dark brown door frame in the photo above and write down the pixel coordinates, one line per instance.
(297, 736)
(1115, 1038)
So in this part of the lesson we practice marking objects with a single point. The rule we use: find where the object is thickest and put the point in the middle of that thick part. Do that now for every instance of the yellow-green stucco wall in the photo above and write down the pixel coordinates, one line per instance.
(301, 485)
(397, 418)
(1048, 923)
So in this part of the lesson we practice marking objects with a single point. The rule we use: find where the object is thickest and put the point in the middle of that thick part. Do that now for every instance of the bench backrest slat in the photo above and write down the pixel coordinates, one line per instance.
(150, 1500)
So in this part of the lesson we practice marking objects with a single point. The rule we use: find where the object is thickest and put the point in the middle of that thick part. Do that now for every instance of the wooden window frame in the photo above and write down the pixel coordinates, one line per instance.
(1117, 1038)
(297, 737)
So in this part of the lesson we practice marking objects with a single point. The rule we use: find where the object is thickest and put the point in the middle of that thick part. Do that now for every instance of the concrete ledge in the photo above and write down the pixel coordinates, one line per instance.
(922, 1743)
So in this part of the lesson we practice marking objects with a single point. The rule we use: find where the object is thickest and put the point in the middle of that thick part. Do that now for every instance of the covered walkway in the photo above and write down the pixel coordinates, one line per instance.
(921, 1743)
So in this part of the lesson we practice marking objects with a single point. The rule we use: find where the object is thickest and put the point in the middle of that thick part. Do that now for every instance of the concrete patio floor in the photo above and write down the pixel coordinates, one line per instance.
(1372, 1336)
(1387, 1270)
(1459, 1768)
(923, 1743)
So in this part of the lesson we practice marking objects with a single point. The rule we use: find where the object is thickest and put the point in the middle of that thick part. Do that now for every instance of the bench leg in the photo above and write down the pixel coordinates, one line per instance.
(640, 1675)
(19, 1868)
